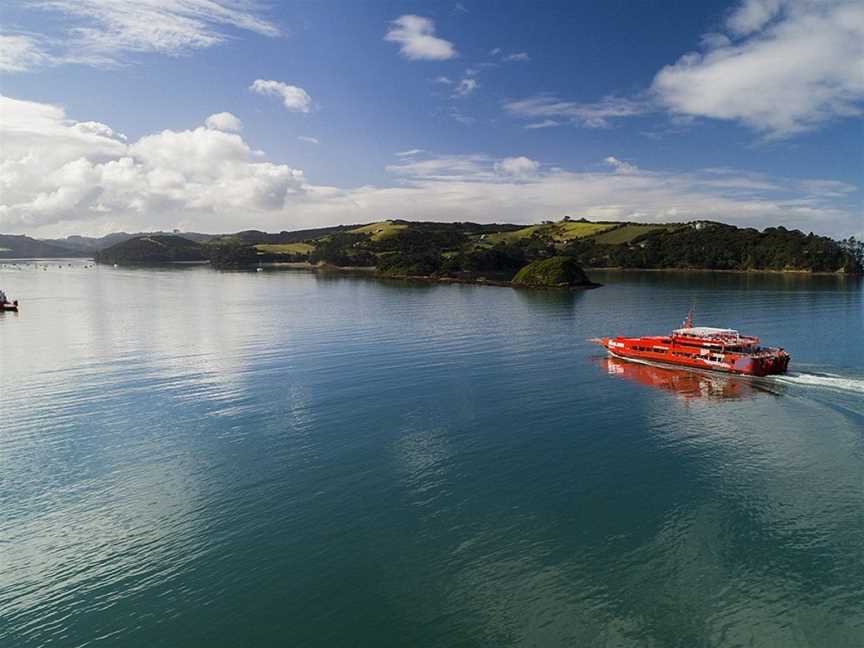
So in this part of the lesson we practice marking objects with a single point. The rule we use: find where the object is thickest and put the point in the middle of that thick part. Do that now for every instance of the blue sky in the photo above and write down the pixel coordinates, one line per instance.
(747, 112)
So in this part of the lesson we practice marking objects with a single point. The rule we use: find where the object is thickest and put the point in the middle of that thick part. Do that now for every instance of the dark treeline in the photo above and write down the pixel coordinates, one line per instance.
(711, 246)
(721, 247)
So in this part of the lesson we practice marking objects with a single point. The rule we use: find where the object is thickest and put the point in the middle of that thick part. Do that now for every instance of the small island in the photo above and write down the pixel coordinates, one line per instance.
(556, 272)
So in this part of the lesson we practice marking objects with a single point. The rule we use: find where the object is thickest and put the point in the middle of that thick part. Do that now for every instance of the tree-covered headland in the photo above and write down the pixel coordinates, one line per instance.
(497, 252)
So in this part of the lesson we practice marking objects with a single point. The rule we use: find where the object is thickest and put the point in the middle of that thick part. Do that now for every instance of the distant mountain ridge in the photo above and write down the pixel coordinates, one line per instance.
(94, 244)
(19, 246)
(24, 247)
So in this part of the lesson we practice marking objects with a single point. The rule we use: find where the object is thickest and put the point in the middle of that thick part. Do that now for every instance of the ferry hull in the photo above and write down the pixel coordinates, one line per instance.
(765, 363)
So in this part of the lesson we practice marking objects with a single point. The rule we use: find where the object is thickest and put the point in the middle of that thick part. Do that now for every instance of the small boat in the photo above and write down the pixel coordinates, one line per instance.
(6, 305)
(701, 347)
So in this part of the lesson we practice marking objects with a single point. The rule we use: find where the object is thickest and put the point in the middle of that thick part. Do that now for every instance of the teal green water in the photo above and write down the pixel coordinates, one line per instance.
(194, 458)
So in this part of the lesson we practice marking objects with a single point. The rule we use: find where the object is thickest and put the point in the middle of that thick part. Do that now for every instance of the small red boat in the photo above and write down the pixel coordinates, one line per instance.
(6, 305)
(702, 347)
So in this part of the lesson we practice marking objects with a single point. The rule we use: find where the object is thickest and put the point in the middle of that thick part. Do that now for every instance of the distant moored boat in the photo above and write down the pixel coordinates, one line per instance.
(6, 305)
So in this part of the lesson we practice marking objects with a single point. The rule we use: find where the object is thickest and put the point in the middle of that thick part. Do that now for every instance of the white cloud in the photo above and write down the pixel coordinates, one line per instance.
(306, 138)
(224, 121)
(789, 66)
(546, 123)
(55, 170)
(517, 167)
(60, 176)
(20, 52)
(752, 15)
(589, 115)
(294, 99)
(466, 168)
(101, 32)
(465, 87)
(470, 187)
(620, 166)
(417, 40)
(508, 58)
(409, 152)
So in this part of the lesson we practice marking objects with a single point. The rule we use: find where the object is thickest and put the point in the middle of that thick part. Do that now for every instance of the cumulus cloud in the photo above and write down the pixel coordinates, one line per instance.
(293, 98)
(55, 170)
(517, 167)
(785, 66)
(60, 176)
(780, 67)
(620, 166)
(102, 32)
(417, 41)
(588, 115)
(224, 121)
(752, 15)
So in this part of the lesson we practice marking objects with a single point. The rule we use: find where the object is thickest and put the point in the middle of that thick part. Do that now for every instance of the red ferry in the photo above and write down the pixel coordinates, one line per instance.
(702, 347)
(6, 305)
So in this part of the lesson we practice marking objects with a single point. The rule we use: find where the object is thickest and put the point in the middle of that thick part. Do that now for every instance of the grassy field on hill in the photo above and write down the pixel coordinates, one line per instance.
(559, 232)
(285, 248)
(626, 233)
(382, 230)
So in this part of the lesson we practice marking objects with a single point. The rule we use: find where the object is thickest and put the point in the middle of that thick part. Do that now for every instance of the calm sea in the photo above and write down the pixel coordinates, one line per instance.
(196, 458)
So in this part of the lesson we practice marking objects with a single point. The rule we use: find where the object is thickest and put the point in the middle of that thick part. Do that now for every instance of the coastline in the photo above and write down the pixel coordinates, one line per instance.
(305, 265)
(808, 273)
(372, 271)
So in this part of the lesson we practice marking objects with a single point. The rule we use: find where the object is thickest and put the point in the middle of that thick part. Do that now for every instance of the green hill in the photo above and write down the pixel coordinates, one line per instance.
(93, 244)
(24, 247)
(153, 248)
(456, 249)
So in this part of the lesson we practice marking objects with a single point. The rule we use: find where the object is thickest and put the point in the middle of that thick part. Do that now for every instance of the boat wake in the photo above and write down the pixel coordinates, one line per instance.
(822, 380)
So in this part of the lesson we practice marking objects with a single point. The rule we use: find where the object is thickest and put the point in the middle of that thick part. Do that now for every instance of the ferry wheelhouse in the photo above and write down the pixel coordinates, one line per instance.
(702, 347)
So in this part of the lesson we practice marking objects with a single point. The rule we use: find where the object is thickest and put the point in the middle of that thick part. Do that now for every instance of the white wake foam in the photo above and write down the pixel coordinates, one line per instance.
(825, 380)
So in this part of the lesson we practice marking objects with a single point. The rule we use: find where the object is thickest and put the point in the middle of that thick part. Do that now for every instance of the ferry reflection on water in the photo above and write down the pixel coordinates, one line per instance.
(688, 383)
